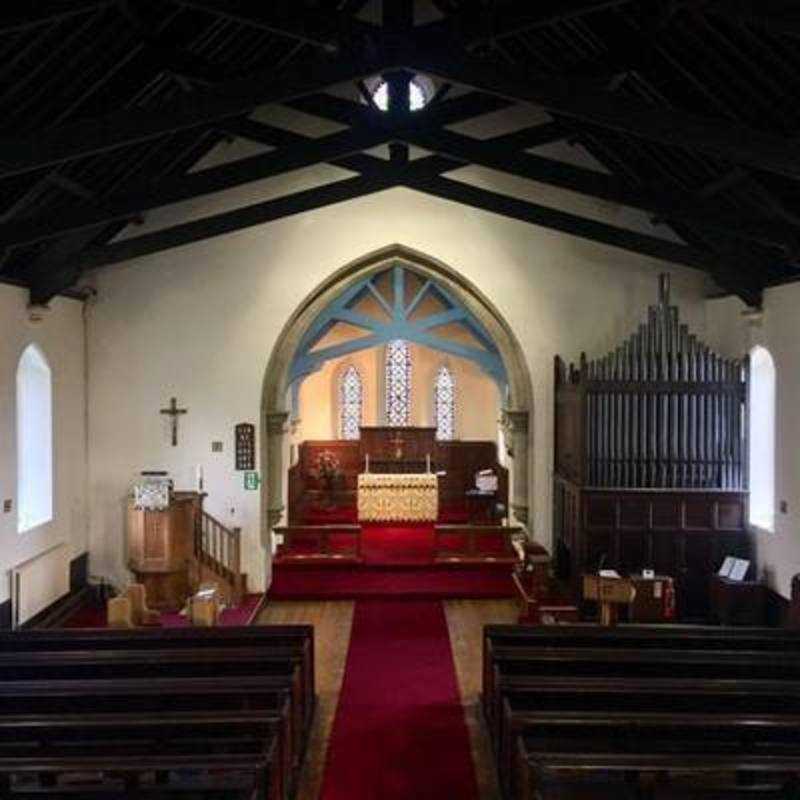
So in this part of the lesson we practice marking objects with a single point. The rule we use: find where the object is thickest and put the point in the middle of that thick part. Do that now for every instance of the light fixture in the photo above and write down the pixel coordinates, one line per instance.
(420, 90)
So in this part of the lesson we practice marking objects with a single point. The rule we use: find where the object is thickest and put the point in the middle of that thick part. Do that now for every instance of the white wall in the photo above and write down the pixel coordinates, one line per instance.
(199, 323)
(60, 337)
(778, 553)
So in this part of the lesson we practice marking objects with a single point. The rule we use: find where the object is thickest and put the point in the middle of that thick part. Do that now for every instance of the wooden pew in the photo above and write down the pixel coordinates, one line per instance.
(632, 663)
(645, 636)
(589, 684)
(530, 712)
(300, 637)
(214, 671)
(125, 748)
(226, 665)
(541, 763)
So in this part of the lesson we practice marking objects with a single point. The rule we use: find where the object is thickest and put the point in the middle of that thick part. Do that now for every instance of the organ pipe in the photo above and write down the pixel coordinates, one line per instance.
(662, 410)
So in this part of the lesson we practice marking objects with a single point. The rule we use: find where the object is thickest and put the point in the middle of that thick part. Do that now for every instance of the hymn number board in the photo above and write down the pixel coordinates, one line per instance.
(245, 446)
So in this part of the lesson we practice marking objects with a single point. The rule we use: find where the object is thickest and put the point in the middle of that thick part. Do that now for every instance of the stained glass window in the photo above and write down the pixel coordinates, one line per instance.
(398, 382)
(445, 404)
(350, 403)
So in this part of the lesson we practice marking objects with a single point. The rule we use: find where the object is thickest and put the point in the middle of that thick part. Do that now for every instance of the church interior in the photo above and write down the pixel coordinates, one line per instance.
(398, 399)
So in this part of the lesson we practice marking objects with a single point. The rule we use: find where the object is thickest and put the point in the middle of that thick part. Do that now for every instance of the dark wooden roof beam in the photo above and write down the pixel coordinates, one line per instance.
(324, 29)
(196, 184)
(758, 13)
(593, 230)
(718, 138)
(605, 187)
(45, 12)
(57, 145)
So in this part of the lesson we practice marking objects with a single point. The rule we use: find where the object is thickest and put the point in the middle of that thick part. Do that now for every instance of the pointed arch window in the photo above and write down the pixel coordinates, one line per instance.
(398, 382)
(34, 440)
(762, 439)
(444, 396)
(351, 403)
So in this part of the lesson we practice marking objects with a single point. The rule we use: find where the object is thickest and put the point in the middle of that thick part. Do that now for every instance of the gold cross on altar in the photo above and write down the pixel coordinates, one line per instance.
(174, 412)
(397, 441)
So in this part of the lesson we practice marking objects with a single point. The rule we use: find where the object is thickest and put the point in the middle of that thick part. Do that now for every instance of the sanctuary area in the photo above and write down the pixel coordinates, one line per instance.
(398, 400)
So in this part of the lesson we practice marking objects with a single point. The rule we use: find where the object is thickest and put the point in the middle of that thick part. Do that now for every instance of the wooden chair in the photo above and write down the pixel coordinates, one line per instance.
(141, 614)
(119, 613)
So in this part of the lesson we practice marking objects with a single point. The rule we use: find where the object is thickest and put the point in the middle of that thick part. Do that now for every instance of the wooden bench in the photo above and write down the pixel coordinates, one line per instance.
(614, 690)
(138, 755)
(102, 678)
(588, 662)
(531, 713)
(549, 767)
(300, 637)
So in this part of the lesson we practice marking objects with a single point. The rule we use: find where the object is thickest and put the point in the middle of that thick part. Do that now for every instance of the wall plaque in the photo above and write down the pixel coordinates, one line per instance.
(245, 446)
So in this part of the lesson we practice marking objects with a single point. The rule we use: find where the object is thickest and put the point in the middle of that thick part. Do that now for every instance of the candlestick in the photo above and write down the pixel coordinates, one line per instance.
(366, 465)
(199, 474)
(427, 462)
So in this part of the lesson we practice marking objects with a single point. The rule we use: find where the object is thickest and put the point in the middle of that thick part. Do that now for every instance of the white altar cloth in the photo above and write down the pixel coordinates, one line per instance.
(398, 497)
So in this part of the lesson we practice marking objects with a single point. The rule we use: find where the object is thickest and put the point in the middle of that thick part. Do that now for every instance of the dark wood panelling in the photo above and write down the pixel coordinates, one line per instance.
(79, 572)
(459, 460)
(682, 534)
(667, 513)
(5, 615)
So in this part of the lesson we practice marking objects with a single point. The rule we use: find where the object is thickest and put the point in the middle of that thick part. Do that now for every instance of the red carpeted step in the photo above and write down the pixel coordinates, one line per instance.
(399, 731)
(344, 582)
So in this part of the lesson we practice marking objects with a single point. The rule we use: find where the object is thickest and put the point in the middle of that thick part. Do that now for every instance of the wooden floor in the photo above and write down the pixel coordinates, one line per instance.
(332, 623)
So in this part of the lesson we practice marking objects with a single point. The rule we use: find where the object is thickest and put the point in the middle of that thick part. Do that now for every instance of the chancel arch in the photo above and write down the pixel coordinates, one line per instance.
(395, 294)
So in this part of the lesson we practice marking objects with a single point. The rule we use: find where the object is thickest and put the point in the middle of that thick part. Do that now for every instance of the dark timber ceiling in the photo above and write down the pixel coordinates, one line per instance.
(690, 104)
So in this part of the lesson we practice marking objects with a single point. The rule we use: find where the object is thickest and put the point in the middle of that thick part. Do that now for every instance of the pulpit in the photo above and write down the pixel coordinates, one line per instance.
(161, 546)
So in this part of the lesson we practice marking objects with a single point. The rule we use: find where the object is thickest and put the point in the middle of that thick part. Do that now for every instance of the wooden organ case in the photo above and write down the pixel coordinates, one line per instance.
(651, 459)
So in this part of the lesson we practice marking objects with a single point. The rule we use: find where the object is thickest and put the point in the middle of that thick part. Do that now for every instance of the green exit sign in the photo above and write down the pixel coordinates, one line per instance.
(251, 480)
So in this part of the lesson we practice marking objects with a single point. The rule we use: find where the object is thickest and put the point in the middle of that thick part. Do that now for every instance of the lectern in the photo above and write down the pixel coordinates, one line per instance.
(161, 546)
(610, 592)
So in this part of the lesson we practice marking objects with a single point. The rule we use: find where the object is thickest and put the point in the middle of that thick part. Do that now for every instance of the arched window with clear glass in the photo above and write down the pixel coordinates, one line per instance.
(762, 439)
(34, 440)
(351, 403)
(444, 403)
(398, 382)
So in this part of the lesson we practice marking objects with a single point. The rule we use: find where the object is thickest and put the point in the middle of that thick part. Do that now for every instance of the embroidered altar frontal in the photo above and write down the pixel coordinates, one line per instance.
(398, 498)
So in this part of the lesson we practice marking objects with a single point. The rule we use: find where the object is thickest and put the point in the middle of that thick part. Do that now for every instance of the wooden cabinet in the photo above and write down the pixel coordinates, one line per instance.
(160, 549)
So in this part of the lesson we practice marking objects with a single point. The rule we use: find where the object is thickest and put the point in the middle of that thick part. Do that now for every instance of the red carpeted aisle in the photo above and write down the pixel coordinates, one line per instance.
(399, 731)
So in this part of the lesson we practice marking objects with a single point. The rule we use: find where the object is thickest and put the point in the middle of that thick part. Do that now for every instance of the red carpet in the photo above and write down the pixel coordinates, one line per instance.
(343, 582)
(92, 616)
(397, 561)
(399, 731)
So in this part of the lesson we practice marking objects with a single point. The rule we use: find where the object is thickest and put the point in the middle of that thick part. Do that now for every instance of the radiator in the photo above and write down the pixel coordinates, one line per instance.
(39, 582)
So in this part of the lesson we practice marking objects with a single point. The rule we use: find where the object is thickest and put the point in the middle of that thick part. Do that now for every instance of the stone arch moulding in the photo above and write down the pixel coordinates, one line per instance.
(276, 402)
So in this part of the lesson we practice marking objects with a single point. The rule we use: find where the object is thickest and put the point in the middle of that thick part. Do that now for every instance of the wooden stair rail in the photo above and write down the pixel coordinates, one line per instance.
(219, 550)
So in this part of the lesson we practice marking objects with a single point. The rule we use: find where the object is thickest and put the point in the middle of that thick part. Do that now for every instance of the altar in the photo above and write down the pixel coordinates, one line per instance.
(398, 497)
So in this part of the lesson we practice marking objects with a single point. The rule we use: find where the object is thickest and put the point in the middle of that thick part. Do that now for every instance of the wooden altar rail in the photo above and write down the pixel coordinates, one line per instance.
(464, 541)
(294, 536)
(218, 550)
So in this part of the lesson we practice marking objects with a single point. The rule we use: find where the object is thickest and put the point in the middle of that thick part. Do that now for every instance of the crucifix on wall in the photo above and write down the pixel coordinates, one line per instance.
(174, 412)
